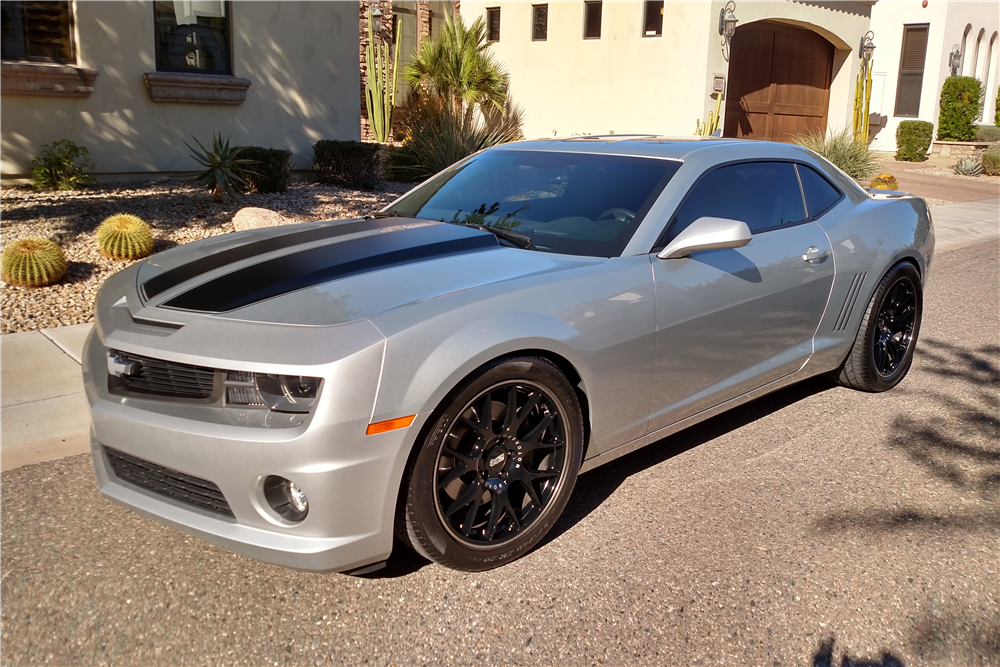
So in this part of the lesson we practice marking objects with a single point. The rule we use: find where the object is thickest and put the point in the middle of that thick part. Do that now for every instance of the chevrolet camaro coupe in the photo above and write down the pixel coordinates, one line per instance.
(444, 369)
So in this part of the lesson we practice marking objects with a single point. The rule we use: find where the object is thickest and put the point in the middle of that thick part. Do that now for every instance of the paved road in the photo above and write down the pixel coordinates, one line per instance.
(810, 526)
(947, 188)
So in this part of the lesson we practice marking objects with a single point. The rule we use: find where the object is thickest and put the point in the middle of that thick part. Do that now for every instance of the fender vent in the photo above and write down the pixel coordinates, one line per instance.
(852, 297)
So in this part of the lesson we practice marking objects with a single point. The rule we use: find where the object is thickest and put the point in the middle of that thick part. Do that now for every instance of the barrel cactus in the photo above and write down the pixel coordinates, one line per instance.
(32, 262)
(124, 236)
(884, 182)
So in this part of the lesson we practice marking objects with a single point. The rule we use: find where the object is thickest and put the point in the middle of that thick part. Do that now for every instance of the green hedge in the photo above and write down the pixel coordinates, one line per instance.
(272, 171)
(991, 163)
(988, 133)
(960, 97)
(913, 138)
(355, 164)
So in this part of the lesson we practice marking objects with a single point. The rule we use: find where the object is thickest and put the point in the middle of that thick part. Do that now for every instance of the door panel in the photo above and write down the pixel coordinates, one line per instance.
(729, 321)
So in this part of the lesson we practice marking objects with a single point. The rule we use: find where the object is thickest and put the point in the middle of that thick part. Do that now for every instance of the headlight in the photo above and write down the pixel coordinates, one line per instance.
(281, 393)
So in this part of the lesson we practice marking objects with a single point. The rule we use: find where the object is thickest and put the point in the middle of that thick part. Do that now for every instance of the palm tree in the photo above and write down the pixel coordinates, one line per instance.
(458, 67)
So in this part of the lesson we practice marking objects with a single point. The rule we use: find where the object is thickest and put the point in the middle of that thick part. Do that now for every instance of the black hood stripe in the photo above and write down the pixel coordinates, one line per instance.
(181, 274)
(335, 261)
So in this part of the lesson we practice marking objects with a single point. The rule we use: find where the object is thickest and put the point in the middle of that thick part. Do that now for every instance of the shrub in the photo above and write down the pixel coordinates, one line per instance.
(352, 163)
(991, 163)
(221, 166)
(913, 138)
(988, 133)
(884, 182)
(960, 97)
(400, 164)
(32, 262)
(441, 135)
(62, 166)
(840, 148)
(270, 169)
(124, 236)
(968, 167)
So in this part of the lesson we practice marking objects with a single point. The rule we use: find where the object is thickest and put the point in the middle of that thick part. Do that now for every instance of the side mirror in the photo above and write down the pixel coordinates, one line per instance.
(707, 234)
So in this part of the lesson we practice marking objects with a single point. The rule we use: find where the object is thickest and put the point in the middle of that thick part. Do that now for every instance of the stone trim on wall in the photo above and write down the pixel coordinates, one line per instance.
(183, 88)
(46, 80)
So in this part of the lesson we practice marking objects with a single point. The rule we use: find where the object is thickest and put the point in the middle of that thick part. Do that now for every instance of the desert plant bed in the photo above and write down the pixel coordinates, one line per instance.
(177, 213)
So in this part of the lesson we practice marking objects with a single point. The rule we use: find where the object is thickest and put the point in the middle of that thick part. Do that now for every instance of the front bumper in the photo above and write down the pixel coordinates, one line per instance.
(351, 479)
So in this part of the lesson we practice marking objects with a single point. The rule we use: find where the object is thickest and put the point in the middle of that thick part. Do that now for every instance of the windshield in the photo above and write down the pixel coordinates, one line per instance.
(570, 203)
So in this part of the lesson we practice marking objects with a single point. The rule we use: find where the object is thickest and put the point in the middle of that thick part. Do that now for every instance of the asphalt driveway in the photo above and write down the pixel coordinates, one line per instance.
(813, 526)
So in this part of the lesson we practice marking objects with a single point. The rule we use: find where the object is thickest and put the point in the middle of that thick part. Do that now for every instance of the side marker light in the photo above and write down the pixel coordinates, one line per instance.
(389, 425)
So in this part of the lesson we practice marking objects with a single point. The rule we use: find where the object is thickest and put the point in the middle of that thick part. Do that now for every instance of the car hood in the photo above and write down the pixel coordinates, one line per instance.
(328, 273)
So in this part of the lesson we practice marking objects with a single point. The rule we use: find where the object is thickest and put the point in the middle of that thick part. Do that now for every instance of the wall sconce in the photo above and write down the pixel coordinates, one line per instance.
(728, 21)
(955, 60)
(376, 15)
(867, 47)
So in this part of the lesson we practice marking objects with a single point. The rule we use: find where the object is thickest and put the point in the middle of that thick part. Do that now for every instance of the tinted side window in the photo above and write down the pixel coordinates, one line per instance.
(820, 195)
(765, 195)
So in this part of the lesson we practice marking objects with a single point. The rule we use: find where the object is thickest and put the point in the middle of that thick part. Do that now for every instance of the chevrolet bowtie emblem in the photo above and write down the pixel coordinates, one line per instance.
(119, 366)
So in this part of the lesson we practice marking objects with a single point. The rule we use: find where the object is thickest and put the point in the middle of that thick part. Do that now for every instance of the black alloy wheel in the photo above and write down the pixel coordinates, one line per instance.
(885, 342)
(498, 467)
(894, 327)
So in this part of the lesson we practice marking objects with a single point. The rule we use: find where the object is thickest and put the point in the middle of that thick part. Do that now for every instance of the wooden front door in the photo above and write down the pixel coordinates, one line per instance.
(779, 82)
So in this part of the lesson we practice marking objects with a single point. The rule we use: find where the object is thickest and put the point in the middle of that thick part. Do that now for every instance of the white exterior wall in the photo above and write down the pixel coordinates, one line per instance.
(302, 59)
(627, 83)
(948, 20)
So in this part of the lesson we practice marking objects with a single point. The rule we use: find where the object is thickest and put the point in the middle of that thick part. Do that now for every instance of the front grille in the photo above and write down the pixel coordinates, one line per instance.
(167, 378)
(185, 488)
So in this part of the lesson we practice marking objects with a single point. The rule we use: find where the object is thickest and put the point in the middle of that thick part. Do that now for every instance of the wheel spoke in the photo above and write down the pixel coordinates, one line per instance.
(470, 516)
(471, 494)
(531, 439)
(454, 474)
(532, 494)
(468, 460)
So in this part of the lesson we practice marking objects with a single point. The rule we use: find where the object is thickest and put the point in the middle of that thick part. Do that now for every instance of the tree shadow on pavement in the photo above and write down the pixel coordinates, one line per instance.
(958, 444)
(595, 487)
(824, 658)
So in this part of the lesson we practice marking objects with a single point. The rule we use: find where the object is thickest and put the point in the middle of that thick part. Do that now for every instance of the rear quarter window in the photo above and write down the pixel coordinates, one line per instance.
(819, 194)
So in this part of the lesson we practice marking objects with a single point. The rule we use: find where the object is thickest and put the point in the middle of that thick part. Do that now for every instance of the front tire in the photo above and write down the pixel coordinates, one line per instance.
(497, 467)
(883, 348)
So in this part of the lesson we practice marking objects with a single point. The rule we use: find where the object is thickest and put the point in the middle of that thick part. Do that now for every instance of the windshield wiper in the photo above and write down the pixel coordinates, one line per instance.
(520, 240)
(379, 215)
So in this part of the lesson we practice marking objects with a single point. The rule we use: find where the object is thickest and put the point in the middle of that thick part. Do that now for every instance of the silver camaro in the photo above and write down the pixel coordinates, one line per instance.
(443, 370)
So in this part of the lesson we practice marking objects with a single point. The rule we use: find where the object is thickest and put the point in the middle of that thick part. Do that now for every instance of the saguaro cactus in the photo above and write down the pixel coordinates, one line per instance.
(380, 94)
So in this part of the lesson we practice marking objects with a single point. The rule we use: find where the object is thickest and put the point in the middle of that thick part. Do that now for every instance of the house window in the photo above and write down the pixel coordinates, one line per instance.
(193, 36)
(653, 24)
(911, 70)
(41, 31)
(539, 23)
(493, 24)
(592, 19)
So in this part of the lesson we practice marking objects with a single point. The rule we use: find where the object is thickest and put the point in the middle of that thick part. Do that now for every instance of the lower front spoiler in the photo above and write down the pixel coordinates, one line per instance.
(311, 554)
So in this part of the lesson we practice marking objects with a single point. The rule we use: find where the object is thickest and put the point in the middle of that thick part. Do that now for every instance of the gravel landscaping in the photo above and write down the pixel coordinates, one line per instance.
(177, 213)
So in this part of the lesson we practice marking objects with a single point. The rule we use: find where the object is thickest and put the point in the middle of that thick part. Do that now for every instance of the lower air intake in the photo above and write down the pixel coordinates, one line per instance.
(171, 483)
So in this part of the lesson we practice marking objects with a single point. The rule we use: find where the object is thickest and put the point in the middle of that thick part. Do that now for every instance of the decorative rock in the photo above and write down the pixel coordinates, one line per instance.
(256, 218)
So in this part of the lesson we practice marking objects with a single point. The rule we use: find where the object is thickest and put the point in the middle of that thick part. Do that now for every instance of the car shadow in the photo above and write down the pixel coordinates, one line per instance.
(596, 486)
(824, 658)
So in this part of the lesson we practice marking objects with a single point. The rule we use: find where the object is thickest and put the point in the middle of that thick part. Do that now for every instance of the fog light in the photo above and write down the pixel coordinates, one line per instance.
(286, 498)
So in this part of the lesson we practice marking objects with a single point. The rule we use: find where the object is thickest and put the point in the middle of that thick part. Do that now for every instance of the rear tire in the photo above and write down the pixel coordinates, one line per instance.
(497, 467)
(883, 348)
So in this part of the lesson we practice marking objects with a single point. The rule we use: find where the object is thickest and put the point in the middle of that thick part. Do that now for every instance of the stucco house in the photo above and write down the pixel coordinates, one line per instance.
(916, 41)
(131, 81)
(789, 67)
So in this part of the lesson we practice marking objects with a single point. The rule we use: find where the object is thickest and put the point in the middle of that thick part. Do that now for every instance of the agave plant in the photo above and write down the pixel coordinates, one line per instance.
(222, 167)
(968, 167)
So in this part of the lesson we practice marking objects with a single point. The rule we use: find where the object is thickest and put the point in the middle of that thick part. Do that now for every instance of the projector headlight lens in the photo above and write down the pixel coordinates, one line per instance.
(280, 393)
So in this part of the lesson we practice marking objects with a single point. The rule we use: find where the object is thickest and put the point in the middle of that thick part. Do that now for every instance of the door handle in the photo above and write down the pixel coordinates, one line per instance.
(814, 255)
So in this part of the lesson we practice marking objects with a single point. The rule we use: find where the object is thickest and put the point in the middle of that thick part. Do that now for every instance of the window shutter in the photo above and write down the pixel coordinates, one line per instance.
(37, 31)
(911, 70)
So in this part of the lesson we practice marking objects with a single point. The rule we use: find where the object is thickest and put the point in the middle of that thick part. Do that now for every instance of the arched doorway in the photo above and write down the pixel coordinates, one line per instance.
(779, 82)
